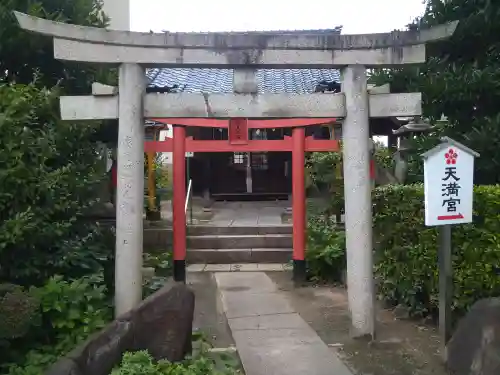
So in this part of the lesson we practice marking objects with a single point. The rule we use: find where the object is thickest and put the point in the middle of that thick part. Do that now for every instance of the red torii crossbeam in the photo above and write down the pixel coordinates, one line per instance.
(244, 145)
(238, 141)
(280, 145)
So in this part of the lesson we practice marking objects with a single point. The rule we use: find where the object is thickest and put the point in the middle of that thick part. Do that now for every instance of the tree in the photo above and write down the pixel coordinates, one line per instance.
(461, 80)
(49, 170)
(49, 182)
(23, 54)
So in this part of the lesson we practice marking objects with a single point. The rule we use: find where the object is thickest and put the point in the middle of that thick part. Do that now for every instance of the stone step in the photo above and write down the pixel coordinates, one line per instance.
(232, 256)
(240, 241)
(205, 230)
(158, 238)
(239, 267)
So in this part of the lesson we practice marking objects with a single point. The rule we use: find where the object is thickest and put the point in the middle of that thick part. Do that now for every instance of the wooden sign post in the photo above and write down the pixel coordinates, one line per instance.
(448, 185)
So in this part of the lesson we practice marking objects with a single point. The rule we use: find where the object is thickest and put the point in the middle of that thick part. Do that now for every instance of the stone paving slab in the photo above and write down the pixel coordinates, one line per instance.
(245, 281)
(286, 352)
(209, 316)
(244, 267)
(271, 338)
(271, 267)
(277, 321)
(217, 268)
(196, 267)
(239, 304)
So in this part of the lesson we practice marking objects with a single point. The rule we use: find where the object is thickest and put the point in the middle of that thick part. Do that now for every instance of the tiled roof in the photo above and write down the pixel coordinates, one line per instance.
(292, 81)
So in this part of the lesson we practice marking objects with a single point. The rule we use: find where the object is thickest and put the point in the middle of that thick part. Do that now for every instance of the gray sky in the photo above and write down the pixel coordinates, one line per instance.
(357, 16)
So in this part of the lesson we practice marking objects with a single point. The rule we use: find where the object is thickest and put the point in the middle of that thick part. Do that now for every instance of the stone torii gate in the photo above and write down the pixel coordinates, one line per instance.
(243, 52)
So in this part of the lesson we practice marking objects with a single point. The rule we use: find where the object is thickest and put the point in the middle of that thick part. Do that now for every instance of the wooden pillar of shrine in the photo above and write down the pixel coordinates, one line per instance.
(299, 204)
(178, 202)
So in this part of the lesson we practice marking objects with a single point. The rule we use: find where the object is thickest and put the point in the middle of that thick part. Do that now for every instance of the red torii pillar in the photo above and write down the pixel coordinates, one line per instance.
(178, 203)
(299, 204)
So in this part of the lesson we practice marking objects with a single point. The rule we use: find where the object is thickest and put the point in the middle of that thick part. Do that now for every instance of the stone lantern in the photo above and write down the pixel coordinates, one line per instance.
(405, 133)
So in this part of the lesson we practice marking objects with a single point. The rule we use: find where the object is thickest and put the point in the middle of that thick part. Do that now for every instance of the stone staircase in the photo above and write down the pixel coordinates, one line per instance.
(239, 244)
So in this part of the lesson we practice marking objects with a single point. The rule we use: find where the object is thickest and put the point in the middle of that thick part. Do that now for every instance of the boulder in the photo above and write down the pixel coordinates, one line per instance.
(64, 366)
(104, 350)
(474, 348)
(161, 324)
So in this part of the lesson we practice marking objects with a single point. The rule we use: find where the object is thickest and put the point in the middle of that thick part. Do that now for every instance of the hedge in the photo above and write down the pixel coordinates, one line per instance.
(406, 263)
(405, 250)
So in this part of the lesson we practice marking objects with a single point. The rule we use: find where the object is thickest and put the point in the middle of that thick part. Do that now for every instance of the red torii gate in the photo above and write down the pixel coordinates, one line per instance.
(238, 141)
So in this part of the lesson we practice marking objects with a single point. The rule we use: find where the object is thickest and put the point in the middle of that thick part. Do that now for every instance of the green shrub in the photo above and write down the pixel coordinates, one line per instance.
(325, 171)
(35, 362)
(142, 363)
(138, 363)
(160, 261)
(49, 178)
(74, 309)
(71, 311)
(406, 250)
(18, 311)
(162, 264)
(325, 179)
(325, 253)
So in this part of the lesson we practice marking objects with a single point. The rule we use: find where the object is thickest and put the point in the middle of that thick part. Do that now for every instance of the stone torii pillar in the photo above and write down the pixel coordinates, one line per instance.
(130, 188)
(130, 175)
(353, 54)
(358, 202)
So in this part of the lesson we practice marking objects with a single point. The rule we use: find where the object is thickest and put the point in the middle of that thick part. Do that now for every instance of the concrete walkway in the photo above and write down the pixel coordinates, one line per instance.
(271, 337)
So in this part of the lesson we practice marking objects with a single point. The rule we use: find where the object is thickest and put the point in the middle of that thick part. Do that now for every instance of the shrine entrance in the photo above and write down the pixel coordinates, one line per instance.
(247, 107)
(239, 142)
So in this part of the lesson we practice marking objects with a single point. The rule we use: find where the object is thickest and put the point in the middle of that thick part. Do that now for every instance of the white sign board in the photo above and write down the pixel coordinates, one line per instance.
(448, 184)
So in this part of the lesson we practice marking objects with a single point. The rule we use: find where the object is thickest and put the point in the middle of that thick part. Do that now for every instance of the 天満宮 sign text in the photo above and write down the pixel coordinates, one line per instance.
(448, 183)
